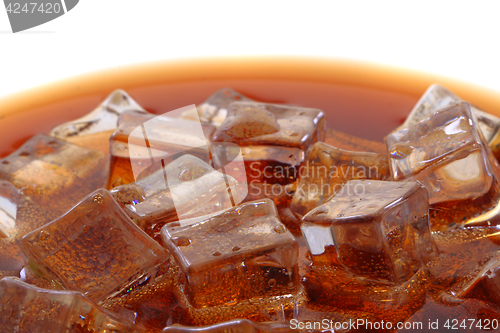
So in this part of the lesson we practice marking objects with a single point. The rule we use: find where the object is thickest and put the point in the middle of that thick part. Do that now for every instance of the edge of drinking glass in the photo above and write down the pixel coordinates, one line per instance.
(331, 70)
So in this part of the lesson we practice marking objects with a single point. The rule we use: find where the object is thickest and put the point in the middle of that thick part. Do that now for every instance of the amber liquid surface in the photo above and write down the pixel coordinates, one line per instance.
(356, 99)
(367, 111)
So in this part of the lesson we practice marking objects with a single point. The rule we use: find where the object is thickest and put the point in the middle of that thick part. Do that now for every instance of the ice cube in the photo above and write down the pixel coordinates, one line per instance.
(281, 195)
(438, 97)
(273, 139)
(233, 326)
(378, 229)
(25, 308)
(327, 168)
(483, 284)
(9, 199)
(187, 187)
(94, 248)
(143, 143)
(214, 109)
(54, 173)
(266, 144)
(335, 289)
(94, 129)
(243, 253)
(19, 215)
(153, 304)
(447, 154)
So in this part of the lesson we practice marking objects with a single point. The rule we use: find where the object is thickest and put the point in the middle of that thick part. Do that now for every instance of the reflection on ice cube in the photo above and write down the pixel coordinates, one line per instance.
(379, 229)
(9, 200)
(438, 97)
(103, 118)
(167, 128)
(170, 130)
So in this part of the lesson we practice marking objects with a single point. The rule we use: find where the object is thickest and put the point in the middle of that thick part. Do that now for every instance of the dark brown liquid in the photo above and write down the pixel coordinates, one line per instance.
(363, 101)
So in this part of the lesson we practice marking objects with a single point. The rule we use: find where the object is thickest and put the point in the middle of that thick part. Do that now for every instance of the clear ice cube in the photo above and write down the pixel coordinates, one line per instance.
(483, 284)
(9, 200)
(54, 173)
(448, 155)
(214, 109)
(94, 248)
(243, 253)
(233, 326)
(25, 308)
(327, 168)
(18, 216)
(93, 129)
(377, 230)
(438, 97)
(273, 139)
(187, 187)
(143, 143)
(152, 305)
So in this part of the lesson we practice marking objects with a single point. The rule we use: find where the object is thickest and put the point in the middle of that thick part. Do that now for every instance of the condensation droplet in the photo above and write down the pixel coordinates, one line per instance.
(98, 199)
(280, 229)
(216, 254)
(271, 282)
(400, 151)
(43, 235)
(181, 241)
(185, 175)
(236, 248)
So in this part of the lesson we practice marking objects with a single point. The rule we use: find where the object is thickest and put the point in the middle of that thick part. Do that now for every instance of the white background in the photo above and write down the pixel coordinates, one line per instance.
(456, 39)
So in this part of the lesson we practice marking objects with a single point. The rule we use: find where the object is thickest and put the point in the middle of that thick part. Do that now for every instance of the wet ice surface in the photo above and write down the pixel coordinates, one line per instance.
(9, 200)
(242, 253)
(438, 97)
(40, 181)
(448, 155)
(19, 215)
(25, 308)
(252, 123)
(143, 143)
(93, 129)
(273, 138)
(235, 326)
(187, 187)
(327, 168)
(94, 248)
(214, 109)
(483, 283)
(379, 229)
(52, 172)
